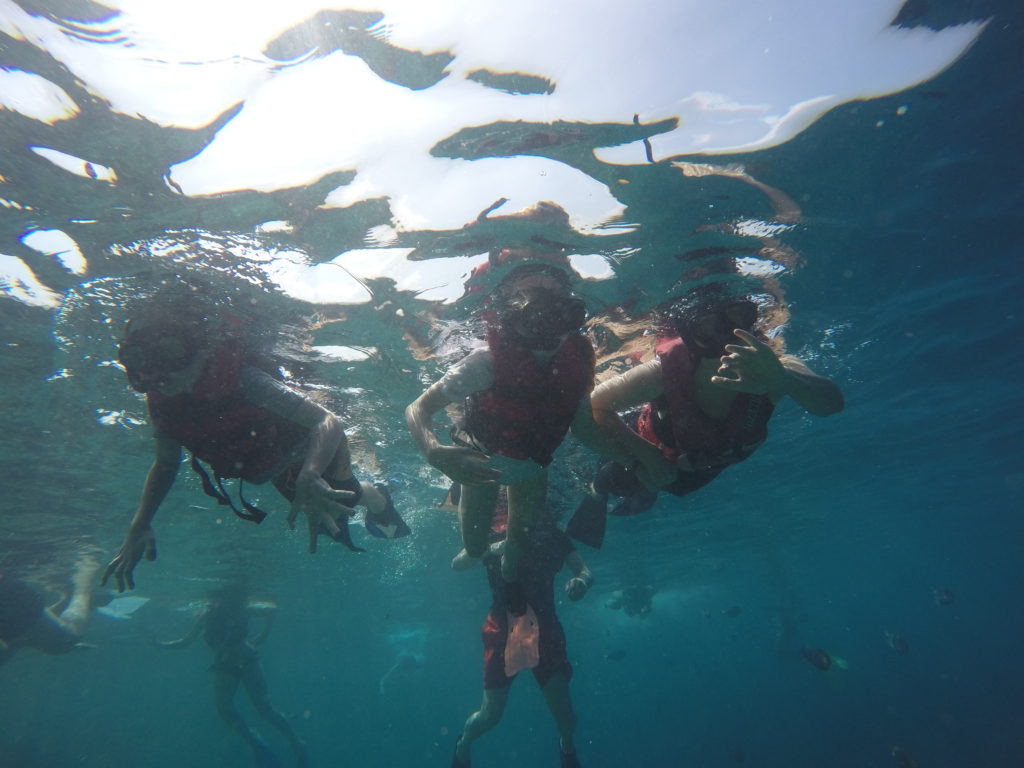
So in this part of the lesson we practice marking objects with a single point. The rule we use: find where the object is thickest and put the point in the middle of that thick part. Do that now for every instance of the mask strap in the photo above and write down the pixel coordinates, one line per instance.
(252, 513)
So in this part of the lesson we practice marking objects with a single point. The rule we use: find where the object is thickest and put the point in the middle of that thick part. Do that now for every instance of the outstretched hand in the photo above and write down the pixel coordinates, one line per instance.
(576, 588)
(137, 544)
(463, 465)
(322, 506)
(751, 367)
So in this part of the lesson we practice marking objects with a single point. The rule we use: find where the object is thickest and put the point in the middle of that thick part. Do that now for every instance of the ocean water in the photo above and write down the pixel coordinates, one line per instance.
(902, 275)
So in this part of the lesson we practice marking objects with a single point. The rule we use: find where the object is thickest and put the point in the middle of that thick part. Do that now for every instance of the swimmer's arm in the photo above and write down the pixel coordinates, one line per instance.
(184, 642)
(140, 541)
(419, 415)
(161, 476)
(582, 578)
(641, 384)
(327, 455)
(597, 439)
(816, 394)
(753, 367)
(463, 465)
(328, 446)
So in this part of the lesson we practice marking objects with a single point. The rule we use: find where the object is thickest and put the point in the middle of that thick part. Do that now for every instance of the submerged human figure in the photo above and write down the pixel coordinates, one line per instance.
(706, 400)
(206, 392)
(26, 621)
(528, 635)
(224, 625)
(522, 393)
(634, 600)
(818, 657)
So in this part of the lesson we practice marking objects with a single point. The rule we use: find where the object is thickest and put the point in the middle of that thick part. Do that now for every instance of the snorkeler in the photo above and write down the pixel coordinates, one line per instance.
(224, 625)
(527, 635)
(707, 398)
(818, 657)
(206, 392)
(822, 659)
(903, 758)
(521, 393)
(898, 643)
(26, 622)
(634, 600)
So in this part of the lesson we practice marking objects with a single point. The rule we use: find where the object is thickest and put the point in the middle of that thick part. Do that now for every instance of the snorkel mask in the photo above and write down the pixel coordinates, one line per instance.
(536, 305)
(541, 317)
(708, 326)
(150, 354)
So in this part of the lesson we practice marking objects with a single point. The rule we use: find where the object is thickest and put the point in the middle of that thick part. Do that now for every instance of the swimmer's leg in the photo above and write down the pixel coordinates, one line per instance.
(525, 506)
(556, 695)
(476, 509)
(256, 686)
(481, 721)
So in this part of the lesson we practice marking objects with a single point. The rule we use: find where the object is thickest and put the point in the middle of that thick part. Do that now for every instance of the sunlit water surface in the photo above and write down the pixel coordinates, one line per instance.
(861, 164)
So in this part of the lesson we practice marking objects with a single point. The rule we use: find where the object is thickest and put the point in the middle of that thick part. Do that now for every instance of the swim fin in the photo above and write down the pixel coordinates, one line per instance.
(450, 503)
(388, 524)
(587, 525)
(635, 503)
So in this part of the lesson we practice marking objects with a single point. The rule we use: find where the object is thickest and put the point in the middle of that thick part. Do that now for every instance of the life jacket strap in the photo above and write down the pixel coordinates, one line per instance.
(252, 513)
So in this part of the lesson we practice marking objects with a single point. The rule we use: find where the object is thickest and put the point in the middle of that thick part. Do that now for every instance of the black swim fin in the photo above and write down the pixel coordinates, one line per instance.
(640, 501)
(587, 525)
(388, 524)
(452, 498)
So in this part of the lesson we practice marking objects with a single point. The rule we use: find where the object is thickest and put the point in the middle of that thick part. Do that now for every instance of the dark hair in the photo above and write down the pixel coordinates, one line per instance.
(536, 268)
(709, 299)
(267, 336)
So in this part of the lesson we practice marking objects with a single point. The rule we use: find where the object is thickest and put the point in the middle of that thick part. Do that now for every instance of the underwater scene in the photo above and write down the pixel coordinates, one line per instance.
(461, 384)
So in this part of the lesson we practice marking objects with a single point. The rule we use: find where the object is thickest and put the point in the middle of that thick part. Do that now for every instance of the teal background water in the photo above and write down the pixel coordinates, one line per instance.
(832, 535)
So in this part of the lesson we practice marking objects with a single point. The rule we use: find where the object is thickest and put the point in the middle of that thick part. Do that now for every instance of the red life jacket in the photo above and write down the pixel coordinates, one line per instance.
(708, 443)
(528, 409)
(213, 421)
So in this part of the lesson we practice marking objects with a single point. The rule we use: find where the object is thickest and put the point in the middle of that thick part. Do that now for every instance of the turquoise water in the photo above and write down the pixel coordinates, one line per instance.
(902, 275)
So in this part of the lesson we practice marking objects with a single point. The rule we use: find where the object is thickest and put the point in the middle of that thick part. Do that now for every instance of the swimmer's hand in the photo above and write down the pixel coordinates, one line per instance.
(321, 504)
(138, 543)
(576, 588)
(463, 465)
(497, 549)
(751, 367)
(464, 561)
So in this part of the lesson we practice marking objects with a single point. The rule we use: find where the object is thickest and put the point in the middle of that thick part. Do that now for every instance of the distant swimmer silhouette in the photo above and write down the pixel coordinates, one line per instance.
(224, 625)
(822, 659)
(403, 665)
(898, 643)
